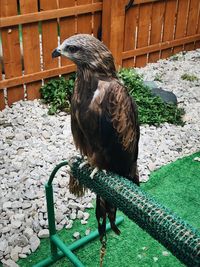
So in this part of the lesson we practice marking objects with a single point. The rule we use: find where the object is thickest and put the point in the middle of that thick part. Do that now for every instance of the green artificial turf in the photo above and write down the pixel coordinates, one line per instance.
(176, 185)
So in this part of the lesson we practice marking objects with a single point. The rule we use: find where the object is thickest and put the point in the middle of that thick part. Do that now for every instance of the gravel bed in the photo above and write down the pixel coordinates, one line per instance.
(32, 143)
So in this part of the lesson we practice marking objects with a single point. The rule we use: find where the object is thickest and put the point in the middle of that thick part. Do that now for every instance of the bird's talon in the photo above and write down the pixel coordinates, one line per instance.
(83, 164)
(104, 171)
(94, 172)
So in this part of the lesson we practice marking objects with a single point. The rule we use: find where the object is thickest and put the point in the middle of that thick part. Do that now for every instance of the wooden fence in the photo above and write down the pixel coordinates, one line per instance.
(30, 30)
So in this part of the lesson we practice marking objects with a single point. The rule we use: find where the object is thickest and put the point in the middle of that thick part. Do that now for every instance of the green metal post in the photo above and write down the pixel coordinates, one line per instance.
(50, 208)
(51, 218)
(54, 239)
(75, 245)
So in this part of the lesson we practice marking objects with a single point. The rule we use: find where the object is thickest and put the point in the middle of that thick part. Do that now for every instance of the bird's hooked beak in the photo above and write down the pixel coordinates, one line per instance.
(56, 52)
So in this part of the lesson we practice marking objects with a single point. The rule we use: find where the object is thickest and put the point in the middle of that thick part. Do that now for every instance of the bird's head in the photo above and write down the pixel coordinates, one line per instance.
(86, 52)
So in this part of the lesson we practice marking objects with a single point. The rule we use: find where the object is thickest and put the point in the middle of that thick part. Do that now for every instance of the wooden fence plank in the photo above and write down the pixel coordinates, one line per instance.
(31, 48)
(181, 23)
(97, 22)
(157, 20)
(113, 28)
(197, 43)
(143, 31)
(160, 46)
(49, 36)
(169, 23)
(192, 22)
(50, 14)
(2, 98)
(67, 26)
(130, 33)
(84, 22)
(29, 78)
(11, 51)
(106, 22)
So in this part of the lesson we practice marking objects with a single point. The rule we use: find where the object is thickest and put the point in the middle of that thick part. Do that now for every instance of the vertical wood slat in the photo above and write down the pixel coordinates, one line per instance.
(49, 36)
(181, 23)
(113, 27)
(31, 48)
(97, 22)
(11, 51)
(84, 22)
(143, 31)
(192, 22)
(2, 99)
(67, 26)
(157, 20)
(130, 33)
(169, 23)
(197, 43)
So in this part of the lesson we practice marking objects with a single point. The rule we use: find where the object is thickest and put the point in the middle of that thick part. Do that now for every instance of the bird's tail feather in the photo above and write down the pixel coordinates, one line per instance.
(103, 210)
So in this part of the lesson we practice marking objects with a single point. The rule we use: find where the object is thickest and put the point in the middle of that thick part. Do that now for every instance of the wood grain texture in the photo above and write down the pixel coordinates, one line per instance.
(169, 26)
(49, 35)
(130, 33)
(181, 23)
(31, 48)
(67, 26)
(84, 21)
(113, 28)
(143, 32)
(32, 77)
(192, 22)
(97, 21)
(160, 46)
(197, 43)
(11, 51)
(2, 98)
(157, 20)
(49, 14)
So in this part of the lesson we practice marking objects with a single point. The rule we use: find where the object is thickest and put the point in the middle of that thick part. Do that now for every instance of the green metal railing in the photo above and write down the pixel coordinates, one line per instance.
(162, 224)
(58, 248)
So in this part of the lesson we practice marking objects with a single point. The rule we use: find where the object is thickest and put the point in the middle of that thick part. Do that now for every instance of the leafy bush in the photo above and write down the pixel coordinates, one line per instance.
(57, 93)
(152, 110)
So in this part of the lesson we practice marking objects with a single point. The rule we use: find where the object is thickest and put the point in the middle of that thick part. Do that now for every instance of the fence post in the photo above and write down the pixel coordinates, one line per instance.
(113, 20)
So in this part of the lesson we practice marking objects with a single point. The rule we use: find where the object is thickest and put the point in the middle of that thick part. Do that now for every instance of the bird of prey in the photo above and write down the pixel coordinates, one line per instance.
(104, 119)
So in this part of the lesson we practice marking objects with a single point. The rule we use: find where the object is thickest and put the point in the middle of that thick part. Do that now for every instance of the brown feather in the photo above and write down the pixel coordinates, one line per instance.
(104, 118)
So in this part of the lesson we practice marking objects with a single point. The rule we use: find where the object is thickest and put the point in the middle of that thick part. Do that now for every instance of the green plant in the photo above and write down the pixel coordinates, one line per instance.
(57, 93)
(152, 110)
(189, 77)
(158, 77)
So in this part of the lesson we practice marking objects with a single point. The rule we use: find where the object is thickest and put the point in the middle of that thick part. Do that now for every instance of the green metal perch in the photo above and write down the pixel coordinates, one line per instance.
(170, 230)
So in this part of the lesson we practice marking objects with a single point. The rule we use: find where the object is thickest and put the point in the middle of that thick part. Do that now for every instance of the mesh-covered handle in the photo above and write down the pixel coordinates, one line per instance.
(170, 230)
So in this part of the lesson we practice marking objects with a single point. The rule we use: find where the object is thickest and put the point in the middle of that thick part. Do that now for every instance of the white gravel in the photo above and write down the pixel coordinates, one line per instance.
(32, 143)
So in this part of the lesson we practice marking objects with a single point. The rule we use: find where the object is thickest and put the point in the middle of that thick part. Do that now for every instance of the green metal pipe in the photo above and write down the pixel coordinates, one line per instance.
(92, 235)
(51, 217)
(170, 230)
(64, 163)
(50, 260)
(68, 253)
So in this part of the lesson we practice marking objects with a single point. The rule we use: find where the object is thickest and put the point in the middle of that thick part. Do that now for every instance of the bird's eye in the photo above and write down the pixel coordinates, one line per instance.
(72, 48)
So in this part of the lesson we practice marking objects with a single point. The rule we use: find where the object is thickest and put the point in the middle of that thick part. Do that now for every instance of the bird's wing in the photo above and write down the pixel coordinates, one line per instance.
(78, 133)
(118, 129)
(121, 111)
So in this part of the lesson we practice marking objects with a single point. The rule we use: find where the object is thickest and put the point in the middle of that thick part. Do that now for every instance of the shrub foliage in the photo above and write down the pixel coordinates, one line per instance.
(152, 110)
